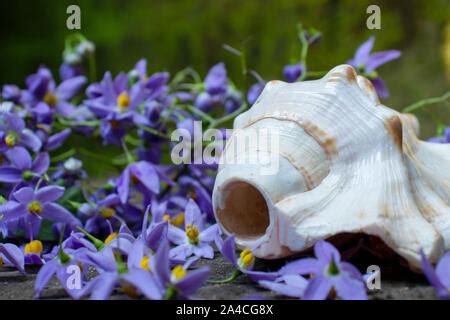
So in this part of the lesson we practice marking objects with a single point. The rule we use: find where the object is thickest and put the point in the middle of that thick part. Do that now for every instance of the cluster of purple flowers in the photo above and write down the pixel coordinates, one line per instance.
(145, 229)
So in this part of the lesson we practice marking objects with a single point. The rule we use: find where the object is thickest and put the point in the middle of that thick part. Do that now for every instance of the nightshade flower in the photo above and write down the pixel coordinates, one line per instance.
(439, 278)
(33, 206)
(255, 91)
(196, 238)
(291, 285)
(58, 266)
(176, 283)
(366, 63)
(22, 167)
(329, 273)
(145, 177)
(246, 260)
(13, 132)
(45, 97)
(293, 71)
(11, 93)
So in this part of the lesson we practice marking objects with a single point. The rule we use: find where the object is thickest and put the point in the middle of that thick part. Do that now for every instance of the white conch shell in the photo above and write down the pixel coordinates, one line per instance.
(347, 164)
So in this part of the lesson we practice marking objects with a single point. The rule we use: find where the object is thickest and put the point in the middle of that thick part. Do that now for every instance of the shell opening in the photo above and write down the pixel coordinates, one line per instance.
(245, 213)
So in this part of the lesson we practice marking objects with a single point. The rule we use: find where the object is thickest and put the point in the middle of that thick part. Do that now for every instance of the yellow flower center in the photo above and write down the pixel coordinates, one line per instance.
(144, 263)
(107, 212)
(178, 273)
(11, 139)
(246, 259)
(111, 237)
(35, 207)
(34, 247)
(192, 233)
(123, 100)
(177, 221)
(50, 99)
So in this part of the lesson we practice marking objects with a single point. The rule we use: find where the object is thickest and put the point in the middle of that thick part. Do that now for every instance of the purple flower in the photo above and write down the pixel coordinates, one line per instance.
(176, 283)
(45, 97)
(59, 265)
(32, 206)
(366, 63)
(22, 167)
(245, 262)
(443, 139)
(292, 72)
(68, 71)
(14, 133)
(144, 176)
(55, 141)
(439, 278)
(329, 272)
(216, 81)
(196, 238)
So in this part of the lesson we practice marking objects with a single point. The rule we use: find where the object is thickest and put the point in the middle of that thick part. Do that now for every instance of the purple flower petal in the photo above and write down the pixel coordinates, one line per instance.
(41, 163)
(49, 193)
(318, 288)
(70, 88)
(325, 251)
(30, 140)
(189, 284)
(10, 175)
(147, 175)
(24, 195)
(380, 88)
(44, 276)
(176, 235)
(55, 212)
(349, 288)
(380, 58)
(123, 185)
(104, 286)
(145, 283)
(14, 255)
(363, 52)
(12, 210)
(161, 265)
(56, 140)
(216, 81)
(203, 250)
(19, 157)
(209, 234)
(193, 216)
(302, 266)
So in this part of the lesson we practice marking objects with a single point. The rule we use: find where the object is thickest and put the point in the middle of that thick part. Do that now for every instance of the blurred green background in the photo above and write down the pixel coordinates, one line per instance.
(179, 33)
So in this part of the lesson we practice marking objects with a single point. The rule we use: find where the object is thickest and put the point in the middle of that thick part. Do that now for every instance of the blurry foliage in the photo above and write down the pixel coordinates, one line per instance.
(174, 34)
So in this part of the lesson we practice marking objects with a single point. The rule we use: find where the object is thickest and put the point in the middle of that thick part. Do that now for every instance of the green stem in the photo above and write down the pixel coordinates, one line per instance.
(92, 67)
(236, 273)
(426, 102)
(64, 156)
(130, 159)
(154, 131)
(201, 114)
(315, 74)
(97, 243)
(228, 117)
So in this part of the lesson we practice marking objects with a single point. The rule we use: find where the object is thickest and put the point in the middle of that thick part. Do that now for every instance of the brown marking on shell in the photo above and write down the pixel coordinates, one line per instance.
(370, 89)
(395, 129)
(308, 179)
(325, 141)
(347, 73)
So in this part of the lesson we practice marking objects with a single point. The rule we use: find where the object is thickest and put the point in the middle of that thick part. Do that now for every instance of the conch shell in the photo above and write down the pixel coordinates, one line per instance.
(346, 164)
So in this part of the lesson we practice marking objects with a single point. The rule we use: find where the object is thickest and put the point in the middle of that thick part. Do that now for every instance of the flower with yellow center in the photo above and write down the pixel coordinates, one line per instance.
(123, 100)
(111, 237)
(177, 221)
(144, 264)
(11, 139)
(51, 99)
(35, 207)
(192, 233)
(246, 259)
(178, 273)
(107, 212)
(34, 247)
